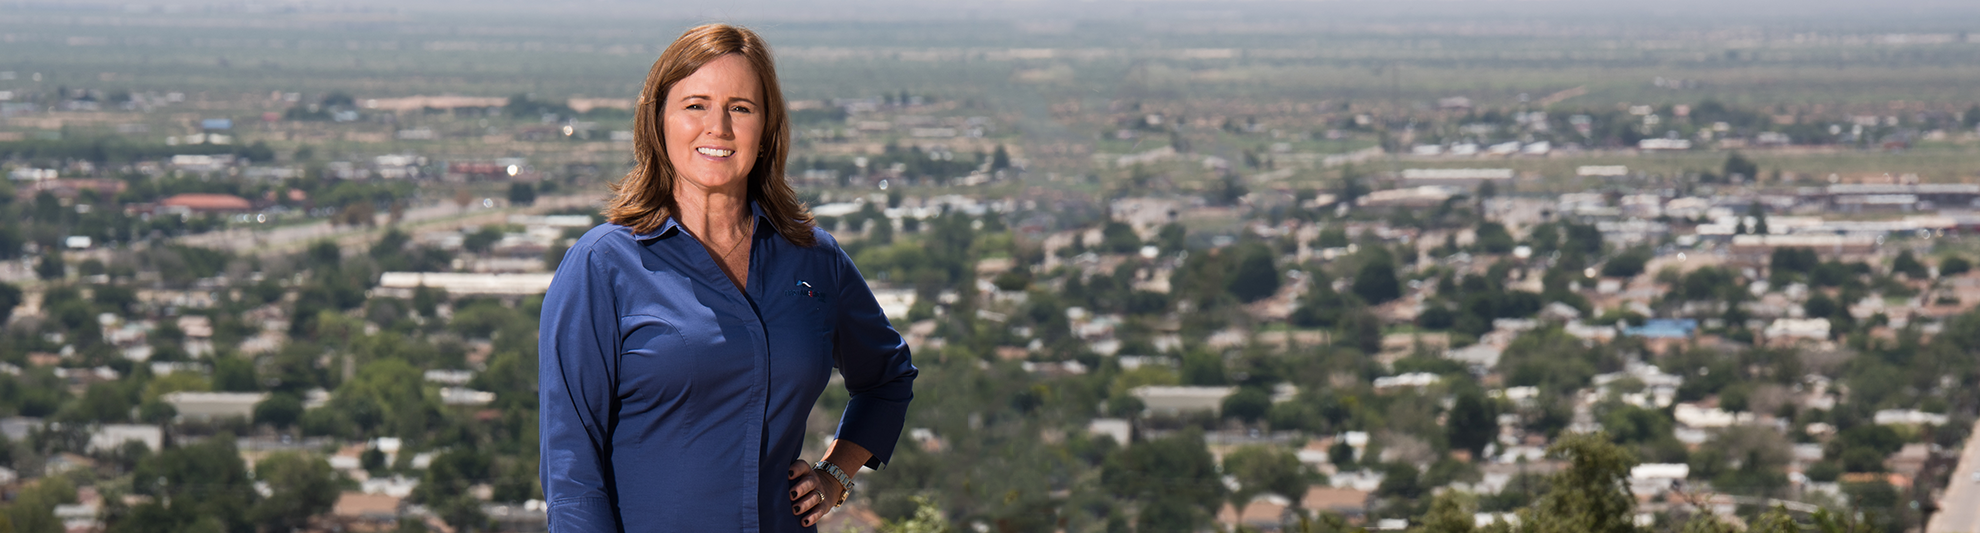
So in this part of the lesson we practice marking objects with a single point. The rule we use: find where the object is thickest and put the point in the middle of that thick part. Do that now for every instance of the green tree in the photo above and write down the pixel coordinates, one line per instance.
(1798, 260)
(107, 402)
(1493, 238)
(1015, 279)
(1592, 494)
(1363, 331)
(33, 510)
(1248, 404)
(10, 297)
(1908, 265)
(1450, 512)
(387, 397)
(1174, 479)
(927, 518)
(1819, 305)
(1119, 238)
(446, 484)
(521, 193)
(1582, 238)
(1471, 423)
(482, 239)
(280, 410)
(1262, 469)
(1881, 504)
(1172, 238)
(1738, 165)
(1629, 424)
(51, 266)
(1331, 238)
(301, 487)
(1954, 265)
(1256, 276)
(11, 239)
(190, 484)
(234, 374)
(1376, 281)
(1401, 480)
(1627, 264)
(1322, 306)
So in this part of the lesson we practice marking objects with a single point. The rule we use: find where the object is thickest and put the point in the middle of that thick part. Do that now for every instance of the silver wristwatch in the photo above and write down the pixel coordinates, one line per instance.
(844, 480)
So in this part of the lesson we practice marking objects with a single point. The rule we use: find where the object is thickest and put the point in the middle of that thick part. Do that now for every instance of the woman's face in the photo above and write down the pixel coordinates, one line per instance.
(713, 123)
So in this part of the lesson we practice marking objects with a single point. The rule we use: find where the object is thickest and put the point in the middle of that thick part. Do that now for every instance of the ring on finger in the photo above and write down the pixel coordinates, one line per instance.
(821, 495)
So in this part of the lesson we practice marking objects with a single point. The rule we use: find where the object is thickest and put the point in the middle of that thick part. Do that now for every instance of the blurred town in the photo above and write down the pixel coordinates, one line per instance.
(316, 311)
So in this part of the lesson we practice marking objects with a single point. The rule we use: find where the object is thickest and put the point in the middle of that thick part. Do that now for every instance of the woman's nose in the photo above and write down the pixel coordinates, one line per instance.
(721, 124)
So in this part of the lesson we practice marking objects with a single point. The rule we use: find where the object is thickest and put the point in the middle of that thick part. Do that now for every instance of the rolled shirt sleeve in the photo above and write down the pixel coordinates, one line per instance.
(578, 347)
(876, 365)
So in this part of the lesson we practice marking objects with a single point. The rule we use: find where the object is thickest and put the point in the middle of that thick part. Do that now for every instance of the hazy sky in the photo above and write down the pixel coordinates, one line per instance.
(1941, 15)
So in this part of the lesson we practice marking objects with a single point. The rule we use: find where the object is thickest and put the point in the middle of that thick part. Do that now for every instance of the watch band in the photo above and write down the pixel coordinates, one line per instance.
(844, 480)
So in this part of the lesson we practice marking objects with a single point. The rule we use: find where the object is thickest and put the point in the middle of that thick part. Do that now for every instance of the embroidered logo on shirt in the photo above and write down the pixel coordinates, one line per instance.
(805, 289)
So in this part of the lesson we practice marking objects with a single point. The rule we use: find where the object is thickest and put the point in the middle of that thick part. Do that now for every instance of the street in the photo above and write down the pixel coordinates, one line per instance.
(1959, 510)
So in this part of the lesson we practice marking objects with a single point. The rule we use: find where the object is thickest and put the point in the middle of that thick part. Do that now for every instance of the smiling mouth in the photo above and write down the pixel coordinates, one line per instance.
(715, 152)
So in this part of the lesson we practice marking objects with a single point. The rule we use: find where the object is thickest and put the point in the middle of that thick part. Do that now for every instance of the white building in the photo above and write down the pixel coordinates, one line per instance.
(1798, 328)
(465, 396)
(1173, 400)
(212, 405)
(1479, 355)
(1691, 415)
(109, 437)
(1601, 170)
(1909, 417)
(895, 303)
(395, 486)
(1664, 144)
(450, 377)
(464, 283)
(1656, 478)
(1119, 428)
(1412, 379)
(1425, 196)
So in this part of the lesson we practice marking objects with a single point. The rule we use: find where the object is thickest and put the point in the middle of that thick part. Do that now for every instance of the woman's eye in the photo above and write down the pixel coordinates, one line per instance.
(696, 107)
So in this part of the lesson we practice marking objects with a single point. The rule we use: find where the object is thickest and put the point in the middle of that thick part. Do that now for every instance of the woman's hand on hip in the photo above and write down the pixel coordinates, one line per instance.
(812, 494)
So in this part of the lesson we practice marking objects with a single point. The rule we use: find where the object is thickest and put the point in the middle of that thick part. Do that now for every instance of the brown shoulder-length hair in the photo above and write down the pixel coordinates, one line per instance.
(645, 198)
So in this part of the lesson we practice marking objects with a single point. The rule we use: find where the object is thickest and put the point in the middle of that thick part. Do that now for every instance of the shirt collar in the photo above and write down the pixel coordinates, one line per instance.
(672, 224)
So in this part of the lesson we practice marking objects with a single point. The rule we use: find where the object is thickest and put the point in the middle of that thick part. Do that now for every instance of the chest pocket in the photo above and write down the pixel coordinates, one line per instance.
(802, 322)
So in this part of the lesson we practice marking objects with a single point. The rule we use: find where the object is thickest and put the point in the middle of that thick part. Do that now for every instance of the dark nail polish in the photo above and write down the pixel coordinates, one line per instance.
(794, 495)
(794, 509)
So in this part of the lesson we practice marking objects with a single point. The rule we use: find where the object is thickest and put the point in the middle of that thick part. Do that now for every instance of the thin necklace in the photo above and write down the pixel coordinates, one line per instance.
(747, 233)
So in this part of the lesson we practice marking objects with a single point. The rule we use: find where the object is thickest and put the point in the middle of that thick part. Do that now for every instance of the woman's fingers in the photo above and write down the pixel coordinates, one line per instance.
(798, 468)
(825, 496)
(804, 489)
(809, 500)
(804, 503)
(818, 509)
(804, 484)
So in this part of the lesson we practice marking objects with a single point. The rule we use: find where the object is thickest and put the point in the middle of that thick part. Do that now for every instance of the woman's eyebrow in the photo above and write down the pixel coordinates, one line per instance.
(706, 97)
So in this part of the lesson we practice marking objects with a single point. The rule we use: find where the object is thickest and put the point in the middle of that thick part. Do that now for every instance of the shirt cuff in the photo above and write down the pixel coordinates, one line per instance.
(583, 515)
(874, 424)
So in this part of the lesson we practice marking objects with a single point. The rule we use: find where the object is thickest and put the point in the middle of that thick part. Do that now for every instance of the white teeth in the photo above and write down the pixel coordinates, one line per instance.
(715, 152)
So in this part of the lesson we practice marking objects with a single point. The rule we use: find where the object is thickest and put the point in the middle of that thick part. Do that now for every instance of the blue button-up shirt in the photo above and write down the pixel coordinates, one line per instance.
(671, 401)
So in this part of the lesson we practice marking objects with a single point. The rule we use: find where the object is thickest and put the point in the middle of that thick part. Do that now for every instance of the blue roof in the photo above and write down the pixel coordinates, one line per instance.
(1664, 328)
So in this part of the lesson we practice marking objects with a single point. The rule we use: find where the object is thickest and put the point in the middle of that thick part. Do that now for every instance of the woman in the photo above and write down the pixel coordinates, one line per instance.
(684, 342)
